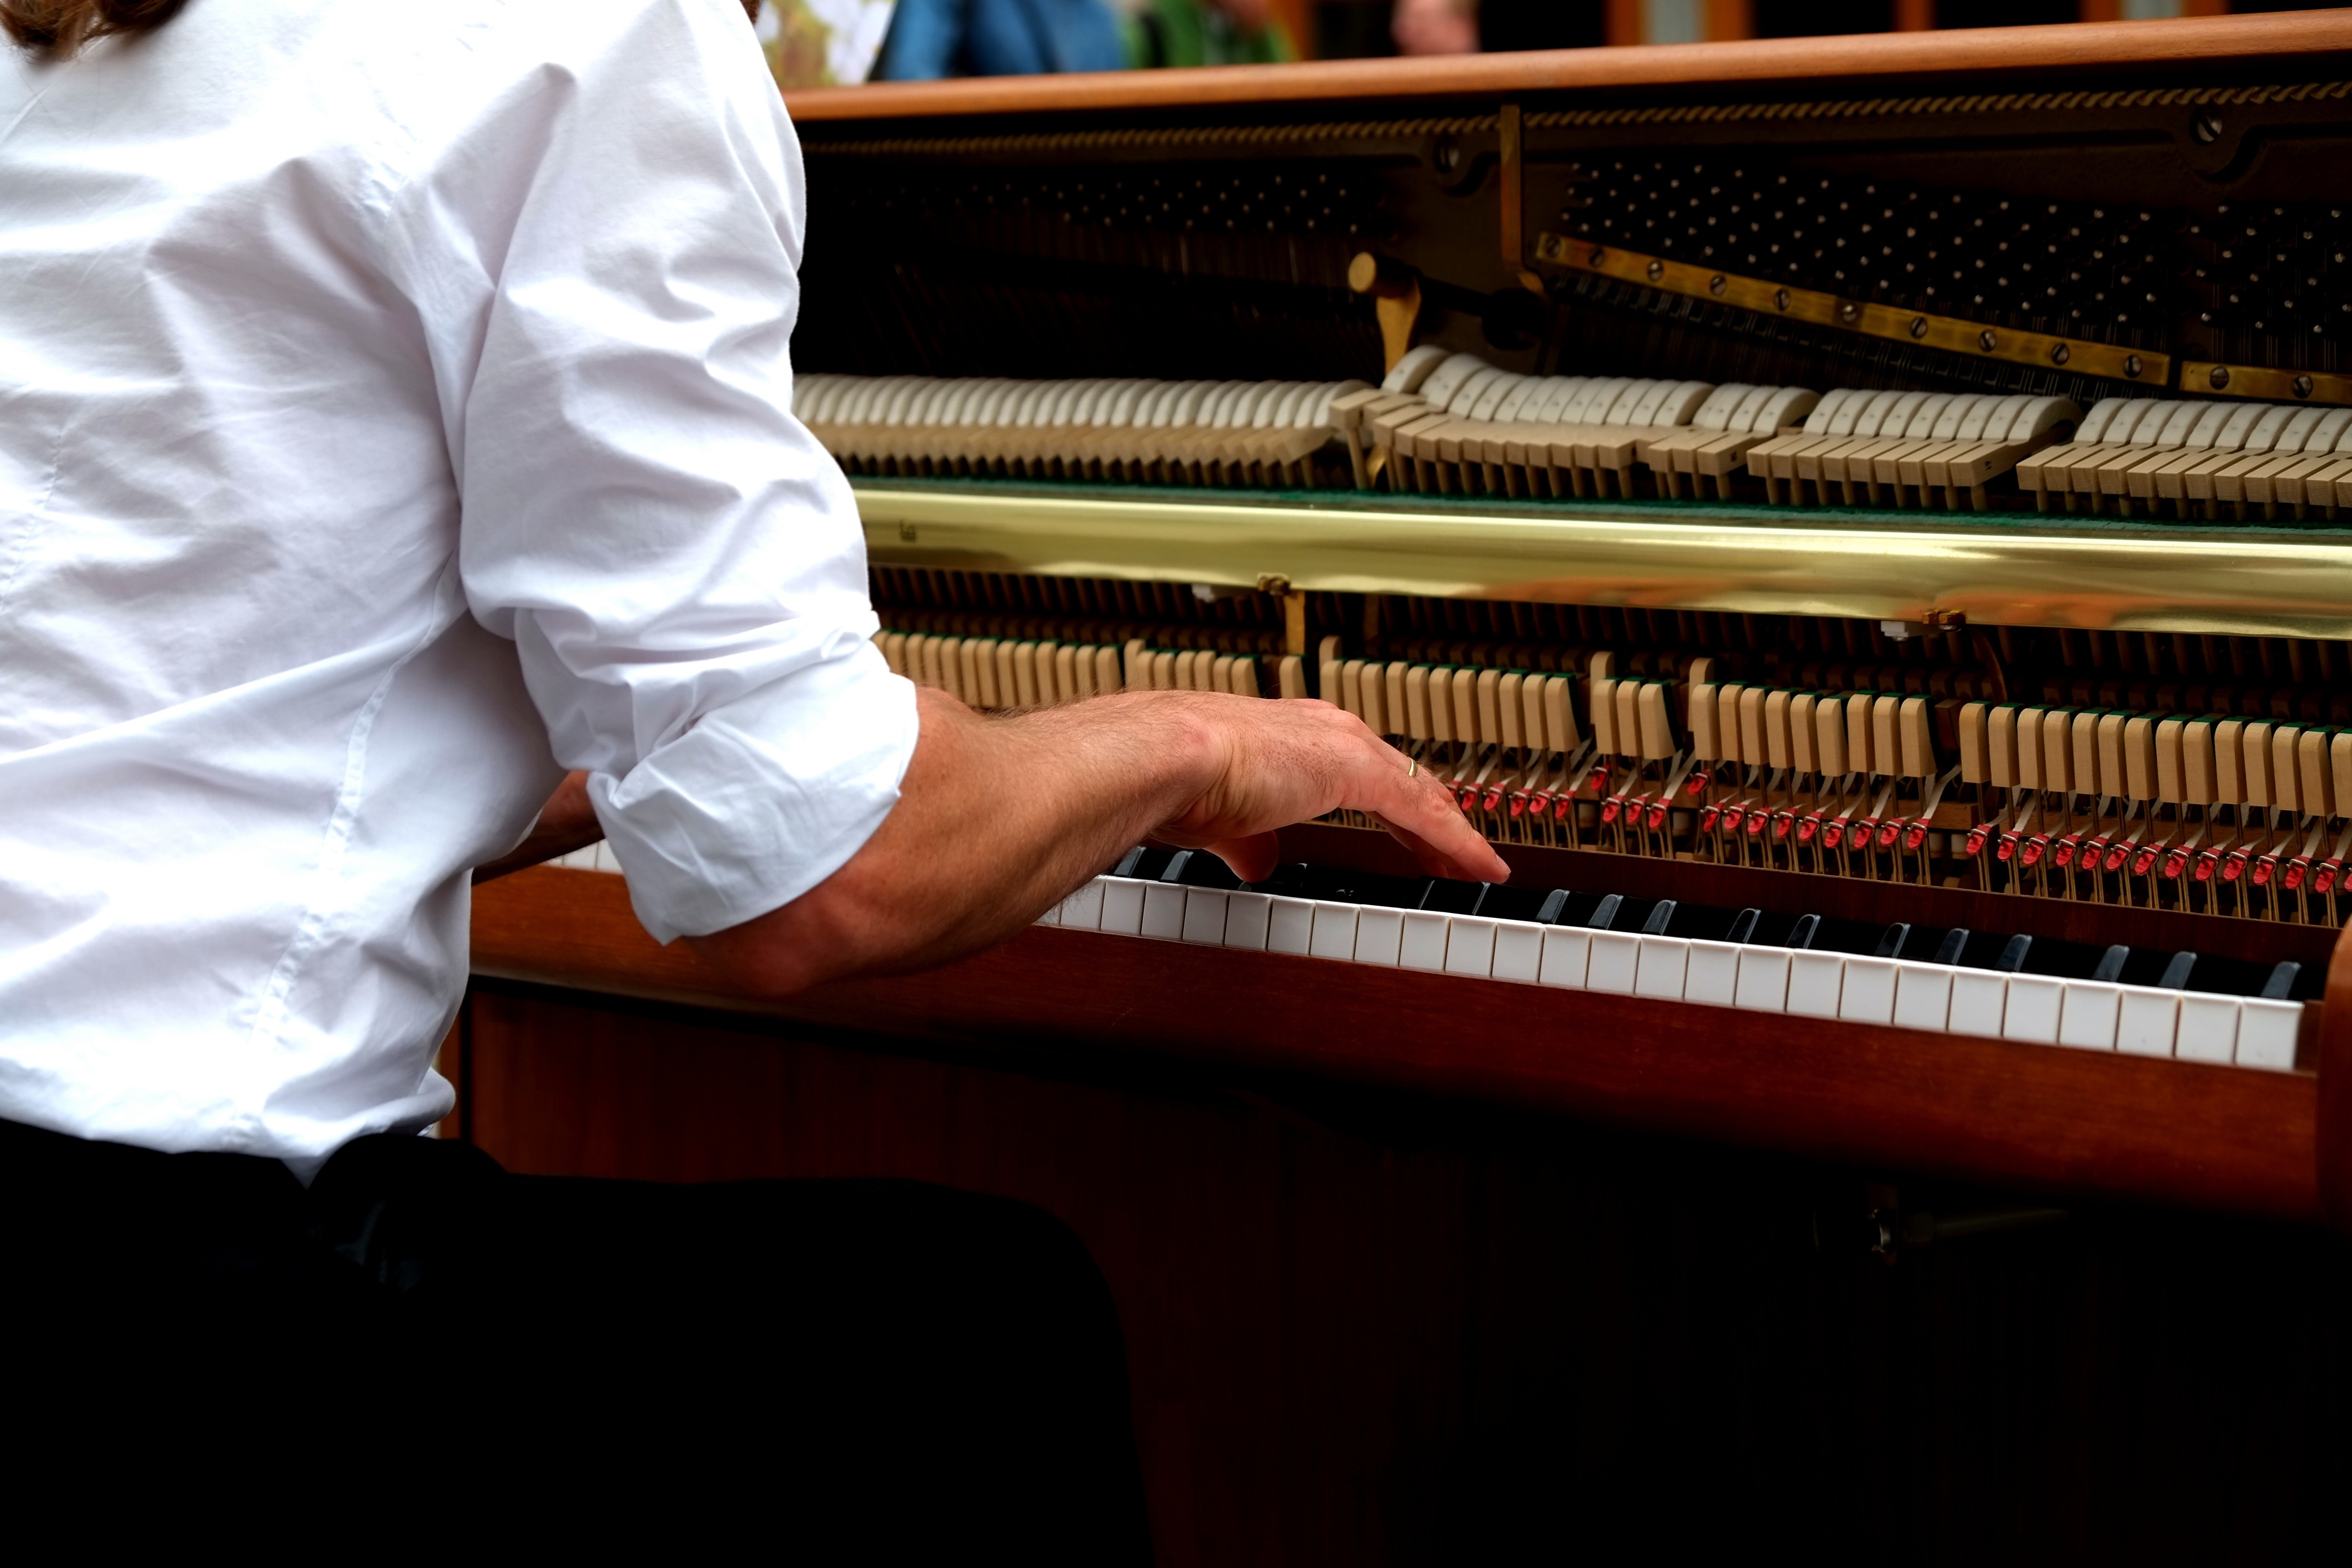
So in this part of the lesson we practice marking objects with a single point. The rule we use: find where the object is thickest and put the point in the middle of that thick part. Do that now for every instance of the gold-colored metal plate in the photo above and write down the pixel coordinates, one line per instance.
(1974, 338)
(2203, 378)
(2255, 582)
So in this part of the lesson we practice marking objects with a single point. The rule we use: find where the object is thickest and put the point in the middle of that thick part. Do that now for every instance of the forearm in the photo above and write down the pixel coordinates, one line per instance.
(997, 818)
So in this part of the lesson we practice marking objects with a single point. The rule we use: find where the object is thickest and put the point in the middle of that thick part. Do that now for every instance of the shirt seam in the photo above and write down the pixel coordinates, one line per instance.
(310, 930)
(37, 518)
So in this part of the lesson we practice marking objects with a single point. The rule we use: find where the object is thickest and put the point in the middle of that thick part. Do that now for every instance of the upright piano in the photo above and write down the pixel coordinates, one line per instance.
(1865, 525)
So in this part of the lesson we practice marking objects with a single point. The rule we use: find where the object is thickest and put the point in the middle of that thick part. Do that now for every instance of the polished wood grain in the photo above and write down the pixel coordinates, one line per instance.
(2076, 51)
(2044, 1119)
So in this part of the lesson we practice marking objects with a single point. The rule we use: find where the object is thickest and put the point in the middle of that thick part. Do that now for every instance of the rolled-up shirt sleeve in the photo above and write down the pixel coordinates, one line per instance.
(604, 261)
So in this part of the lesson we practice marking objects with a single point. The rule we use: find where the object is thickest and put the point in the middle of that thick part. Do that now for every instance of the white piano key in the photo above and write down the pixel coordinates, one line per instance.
(1567, 957)
(1979, 998)
(1290, 925)
(1246, 920)
(2266, 1032)
(1204, 916)
(1660, 966)
(1711, 975)
(1122, 910)
(1616, 955)
(1814, 981)
(1380, 934)
(1922, 996)
(1052, 917)
(1335, 930)
(1868, 996)
(2209, 1029)
(1470, 945)
(2145, 1020)
(1518, 951)
(1423, 946)
(2086, 1020)
(1763, 979)
(1163, 910)
(2033, 1014)
(1083, 909)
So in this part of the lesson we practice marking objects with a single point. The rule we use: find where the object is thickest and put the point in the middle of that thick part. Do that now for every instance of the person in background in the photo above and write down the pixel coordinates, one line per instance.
(933, 38)
(1435, 26)
(1496, 27)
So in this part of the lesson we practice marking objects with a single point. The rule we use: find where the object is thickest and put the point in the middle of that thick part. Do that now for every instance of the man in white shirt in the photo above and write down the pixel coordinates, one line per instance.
(395, 414)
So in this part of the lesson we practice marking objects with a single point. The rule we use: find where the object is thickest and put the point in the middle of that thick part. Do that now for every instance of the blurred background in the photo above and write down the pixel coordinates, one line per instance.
(828, 42)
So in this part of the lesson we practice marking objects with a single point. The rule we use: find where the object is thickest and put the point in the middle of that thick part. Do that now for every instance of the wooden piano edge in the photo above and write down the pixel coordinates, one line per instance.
(2205, 44)
(2039, 1118)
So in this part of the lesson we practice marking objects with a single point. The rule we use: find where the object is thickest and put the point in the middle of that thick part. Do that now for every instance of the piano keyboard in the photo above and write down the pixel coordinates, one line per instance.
(1939, 982)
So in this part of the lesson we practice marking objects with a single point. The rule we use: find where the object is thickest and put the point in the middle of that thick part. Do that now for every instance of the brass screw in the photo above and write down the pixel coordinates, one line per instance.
(1780, 299)
(1849, 312)
(2132, 366)
(2060, 353)
(2303, 386)
(1918, 326)
(1594, 260)
(1716, 284)
(1273, 583)
(1657, 271)
(2221, 377)
(1987, 341)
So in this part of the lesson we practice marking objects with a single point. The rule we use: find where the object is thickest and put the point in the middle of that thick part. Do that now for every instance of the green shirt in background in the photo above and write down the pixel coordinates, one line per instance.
(1193, 33)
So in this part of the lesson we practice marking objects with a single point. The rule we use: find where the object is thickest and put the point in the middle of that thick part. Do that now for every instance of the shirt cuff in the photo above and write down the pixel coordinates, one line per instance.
(763, 798)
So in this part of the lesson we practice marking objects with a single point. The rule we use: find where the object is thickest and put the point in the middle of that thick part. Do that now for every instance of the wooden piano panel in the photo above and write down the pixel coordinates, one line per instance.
(1368, 1325)
(2041, 1118)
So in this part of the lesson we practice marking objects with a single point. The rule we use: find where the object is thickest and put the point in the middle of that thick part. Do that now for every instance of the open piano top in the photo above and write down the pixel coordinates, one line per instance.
(1896, 483)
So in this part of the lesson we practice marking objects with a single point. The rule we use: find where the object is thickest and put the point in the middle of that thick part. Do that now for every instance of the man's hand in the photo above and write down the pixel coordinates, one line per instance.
(998, 819)
(1281, 762)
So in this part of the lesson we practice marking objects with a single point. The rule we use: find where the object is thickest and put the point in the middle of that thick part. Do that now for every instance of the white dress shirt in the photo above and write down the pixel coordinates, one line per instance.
(394, 411)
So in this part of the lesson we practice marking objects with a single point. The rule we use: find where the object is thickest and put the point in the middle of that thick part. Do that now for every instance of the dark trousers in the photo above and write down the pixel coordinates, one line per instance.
(853, 1370)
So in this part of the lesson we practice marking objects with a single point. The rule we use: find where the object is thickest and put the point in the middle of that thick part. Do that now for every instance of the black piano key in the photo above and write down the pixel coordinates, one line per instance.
(1129, 861)
(1890, 943)
(2014, 955)
(1604, 914)
(1504, 903)
(1660, 914)
(1339, 886)
(2280, 986)
(1949, 951)
(2179, 971)
(1174, 870)
(1801, 935)
(1554, 903)
(1445, 896)
(1743, 927)
(1206, 870)
(2111, 964)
